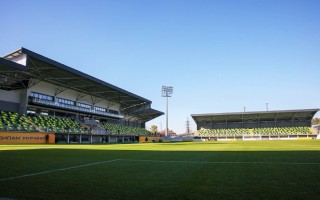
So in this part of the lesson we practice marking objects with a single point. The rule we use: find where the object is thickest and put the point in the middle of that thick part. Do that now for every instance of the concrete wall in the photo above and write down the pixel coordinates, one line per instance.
(10, 100)
(9, 106)
(10, 96)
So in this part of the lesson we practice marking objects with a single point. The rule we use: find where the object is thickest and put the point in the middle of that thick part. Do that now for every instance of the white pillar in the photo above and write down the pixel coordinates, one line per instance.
(167, 118)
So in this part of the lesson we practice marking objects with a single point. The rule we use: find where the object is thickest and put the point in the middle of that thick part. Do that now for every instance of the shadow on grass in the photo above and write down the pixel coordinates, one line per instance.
(160, 174)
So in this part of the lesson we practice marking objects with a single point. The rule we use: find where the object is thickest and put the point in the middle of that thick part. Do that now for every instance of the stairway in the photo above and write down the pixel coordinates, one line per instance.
(31, 122)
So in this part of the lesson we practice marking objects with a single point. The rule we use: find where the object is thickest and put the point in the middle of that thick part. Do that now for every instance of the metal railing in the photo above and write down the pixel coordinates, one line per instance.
(18, 128)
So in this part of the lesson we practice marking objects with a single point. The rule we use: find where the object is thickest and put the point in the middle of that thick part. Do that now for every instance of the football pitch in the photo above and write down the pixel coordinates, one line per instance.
(190, 170)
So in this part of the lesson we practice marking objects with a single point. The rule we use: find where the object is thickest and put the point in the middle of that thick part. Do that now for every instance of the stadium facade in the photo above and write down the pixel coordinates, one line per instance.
(32, 84)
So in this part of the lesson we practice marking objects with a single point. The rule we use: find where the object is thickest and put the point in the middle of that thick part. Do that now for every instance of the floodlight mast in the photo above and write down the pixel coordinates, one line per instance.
(167, 92)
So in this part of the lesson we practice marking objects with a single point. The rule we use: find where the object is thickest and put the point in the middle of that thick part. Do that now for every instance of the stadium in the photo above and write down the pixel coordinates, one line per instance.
(62, 135)
(265, 125)
(41, 95)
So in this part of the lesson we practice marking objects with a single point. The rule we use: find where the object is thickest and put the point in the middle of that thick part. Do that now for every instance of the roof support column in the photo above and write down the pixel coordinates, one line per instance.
(242, 120)
(292, 120)
(211, 122)
(276, 120)
(226, 121)
(23, 101)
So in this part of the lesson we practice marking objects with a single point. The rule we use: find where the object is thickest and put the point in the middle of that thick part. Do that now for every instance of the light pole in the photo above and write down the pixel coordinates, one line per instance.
(267, 106)
(167, 92)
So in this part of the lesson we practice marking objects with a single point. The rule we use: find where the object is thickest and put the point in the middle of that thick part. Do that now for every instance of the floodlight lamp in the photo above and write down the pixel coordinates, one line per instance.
(164, 91)
(167, 92)
(170, 90)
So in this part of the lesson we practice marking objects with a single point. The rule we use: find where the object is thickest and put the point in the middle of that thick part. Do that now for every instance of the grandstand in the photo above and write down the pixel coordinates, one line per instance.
(40, 95)
(268, 125)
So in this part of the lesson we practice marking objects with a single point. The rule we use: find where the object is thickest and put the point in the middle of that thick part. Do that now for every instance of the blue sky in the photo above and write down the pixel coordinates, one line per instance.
(219, 55)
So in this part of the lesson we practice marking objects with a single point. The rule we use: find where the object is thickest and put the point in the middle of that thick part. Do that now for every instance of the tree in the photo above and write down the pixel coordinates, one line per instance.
(153, 129)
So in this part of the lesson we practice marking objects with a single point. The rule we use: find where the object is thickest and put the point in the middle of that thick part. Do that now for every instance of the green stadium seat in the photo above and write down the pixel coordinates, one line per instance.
(223, 132)
(15, 122)
(117, 129)
(271, 131)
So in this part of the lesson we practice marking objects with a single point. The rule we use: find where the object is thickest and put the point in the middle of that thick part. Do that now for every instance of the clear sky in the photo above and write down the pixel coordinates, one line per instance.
(219, 55)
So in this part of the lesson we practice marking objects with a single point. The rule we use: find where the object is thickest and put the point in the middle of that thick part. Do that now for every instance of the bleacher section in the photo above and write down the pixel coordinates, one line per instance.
(256, 125)
(37, 123)
(223, 132)
(14, 122)
(271, 131)
(57, 125)
(283, 131)
(117, 129)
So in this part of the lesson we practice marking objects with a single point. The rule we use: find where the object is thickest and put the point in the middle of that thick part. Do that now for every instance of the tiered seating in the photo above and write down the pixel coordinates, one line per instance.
(223, 132)
(54, 124)
(272, 131)
(117, 129)
(282, 131)
(14, 122)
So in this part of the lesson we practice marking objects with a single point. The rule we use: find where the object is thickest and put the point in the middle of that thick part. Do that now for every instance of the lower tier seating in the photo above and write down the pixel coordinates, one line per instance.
(273, 131)
(282, 131)
(14, 122)
(117, 129)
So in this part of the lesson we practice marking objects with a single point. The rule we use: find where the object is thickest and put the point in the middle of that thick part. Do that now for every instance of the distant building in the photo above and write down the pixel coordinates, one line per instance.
(170, 133)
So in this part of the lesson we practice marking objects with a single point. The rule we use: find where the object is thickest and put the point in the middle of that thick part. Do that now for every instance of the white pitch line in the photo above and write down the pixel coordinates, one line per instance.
(57, 170)
(212, 162)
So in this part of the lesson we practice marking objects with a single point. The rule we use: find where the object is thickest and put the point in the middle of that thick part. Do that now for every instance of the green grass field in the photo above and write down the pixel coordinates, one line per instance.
(213, 170)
